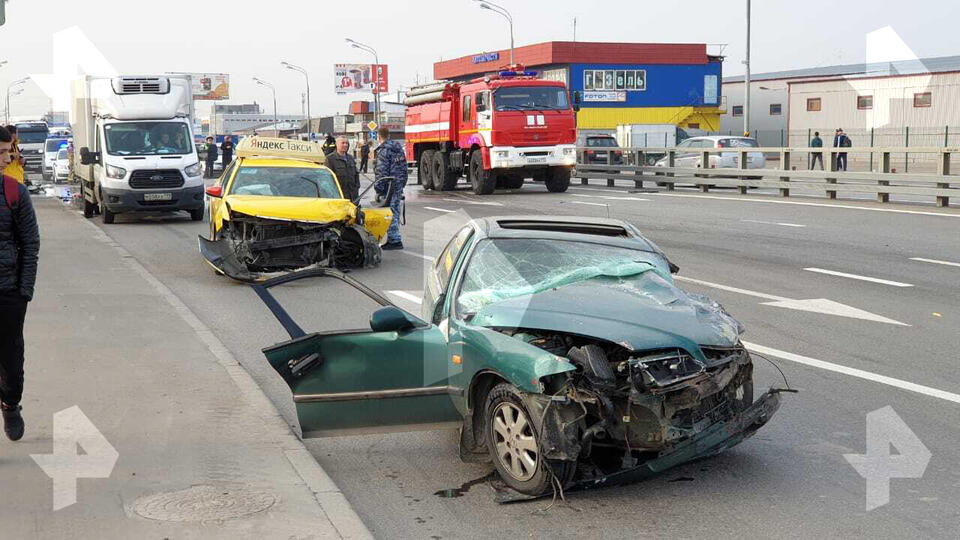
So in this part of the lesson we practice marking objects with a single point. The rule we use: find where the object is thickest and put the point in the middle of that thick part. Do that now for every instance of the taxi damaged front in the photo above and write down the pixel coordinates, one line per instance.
(279, 208)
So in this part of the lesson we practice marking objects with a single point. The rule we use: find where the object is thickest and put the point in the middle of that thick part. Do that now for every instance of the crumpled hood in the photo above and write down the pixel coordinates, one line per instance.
(292, 208)
(642, 312)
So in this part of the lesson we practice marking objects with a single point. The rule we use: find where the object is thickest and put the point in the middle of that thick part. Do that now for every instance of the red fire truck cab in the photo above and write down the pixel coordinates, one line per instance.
(496, 130)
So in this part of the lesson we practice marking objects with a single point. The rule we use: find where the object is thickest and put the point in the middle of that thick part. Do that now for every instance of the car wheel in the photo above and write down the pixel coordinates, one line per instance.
(482, 181)
(514, 445)
(425, 169)
(559, 180)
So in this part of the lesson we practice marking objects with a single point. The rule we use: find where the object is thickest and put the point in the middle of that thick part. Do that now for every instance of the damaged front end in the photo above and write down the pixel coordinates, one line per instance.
(624, 415)
(248, 245)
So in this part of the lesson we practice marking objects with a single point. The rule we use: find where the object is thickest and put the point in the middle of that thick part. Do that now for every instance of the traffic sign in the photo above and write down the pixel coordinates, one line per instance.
(372, 125)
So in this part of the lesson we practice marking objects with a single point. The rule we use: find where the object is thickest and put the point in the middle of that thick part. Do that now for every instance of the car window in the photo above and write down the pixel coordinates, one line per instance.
(686, 144)
(54, 144)
(448, 257)
(738, 143)
(285, 182)
(601, 141)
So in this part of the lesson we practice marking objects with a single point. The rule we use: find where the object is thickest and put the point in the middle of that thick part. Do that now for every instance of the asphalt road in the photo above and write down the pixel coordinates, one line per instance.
(790, 480)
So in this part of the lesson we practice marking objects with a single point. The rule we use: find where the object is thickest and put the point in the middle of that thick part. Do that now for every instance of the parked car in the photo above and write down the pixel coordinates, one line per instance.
(688, 153)
(598, 149)
(61, 167)
(51, 148)
(559, 346)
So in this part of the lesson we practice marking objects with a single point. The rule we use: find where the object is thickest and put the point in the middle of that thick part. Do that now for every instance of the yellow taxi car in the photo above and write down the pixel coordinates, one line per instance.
(277, 207)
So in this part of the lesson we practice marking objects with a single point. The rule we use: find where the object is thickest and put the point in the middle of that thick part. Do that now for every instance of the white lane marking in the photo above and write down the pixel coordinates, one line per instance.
(468, 201)
(861, 278)
(814, 305)
(415, 254)
(772, 223)
(934, 261)
(587, 203)
(609, 198)
(439, 209)
(732, 289)
(599, 189)
(853, 372)
(798, 203)
(406, 296)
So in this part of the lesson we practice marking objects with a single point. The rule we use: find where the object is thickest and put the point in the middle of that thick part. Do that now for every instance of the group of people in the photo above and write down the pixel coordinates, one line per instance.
(390, 174)
(840, 140)
(226, 148)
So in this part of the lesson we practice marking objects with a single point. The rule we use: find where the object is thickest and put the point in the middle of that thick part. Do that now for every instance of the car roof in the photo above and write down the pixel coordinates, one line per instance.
(718, 137)
(614, 232)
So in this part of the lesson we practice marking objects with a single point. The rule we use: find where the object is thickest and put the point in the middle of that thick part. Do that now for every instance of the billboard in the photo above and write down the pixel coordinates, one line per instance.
(352, 78)
(210, 86)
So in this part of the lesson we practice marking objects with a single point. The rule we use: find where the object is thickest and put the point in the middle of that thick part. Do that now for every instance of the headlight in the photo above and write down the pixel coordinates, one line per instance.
(116, 172)
(193, 170)
(503, 154)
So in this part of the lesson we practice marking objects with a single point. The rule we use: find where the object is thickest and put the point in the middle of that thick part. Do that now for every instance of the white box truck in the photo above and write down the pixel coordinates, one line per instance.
(133, 136)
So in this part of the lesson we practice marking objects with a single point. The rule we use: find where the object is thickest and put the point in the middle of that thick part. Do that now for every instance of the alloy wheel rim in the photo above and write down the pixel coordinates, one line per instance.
(515, 442)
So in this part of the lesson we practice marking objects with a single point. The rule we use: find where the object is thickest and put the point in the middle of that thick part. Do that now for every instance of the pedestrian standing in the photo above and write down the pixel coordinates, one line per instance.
(345, 167)
(211, 150)
(226, 149)
(392, 162)
(840, 140)
(19, 252)
(816, 142)
(15, 168)
(329, 145)
(364, 155)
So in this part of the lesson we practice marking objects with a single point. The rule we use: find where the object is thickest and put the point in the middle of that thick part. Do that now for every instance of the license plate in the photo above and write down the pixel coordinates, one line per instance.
(158, 196)
(537, 160)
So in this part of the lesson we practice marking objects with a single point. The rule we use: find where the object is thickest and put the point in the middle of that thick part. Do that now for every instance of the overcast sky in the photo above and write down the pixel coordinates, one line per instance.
(248, 38)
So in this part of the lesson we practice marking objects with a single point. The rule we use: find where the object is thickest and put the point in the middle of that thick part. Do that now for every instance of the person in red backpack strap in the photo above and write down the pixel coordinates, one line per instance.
(19, 252)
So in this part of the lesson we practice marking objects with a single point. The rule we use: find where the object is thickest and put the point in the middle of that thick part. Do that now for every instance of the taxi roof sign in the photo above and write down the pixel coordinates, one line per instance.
(281, 148)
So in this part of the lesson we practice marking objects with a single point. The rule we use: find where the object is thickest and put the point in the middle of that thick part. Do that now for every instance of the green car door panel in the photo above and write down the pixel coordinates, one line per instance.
(369, 382)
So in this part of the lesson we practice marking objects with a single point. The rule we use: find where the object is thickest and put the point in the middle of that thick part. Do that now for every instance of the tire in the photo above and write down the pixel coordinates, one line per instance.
(105, 214)
(89, 209)
(425, 169)
(196, 215)
(513, 444)
(651, 160)
(444, 179)
(482, 181)
(559, 180)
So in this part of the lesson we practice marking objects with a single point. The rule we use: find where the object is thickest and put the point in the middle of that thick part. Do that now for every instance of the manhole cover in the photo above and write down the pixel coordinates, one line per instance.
(203, 503)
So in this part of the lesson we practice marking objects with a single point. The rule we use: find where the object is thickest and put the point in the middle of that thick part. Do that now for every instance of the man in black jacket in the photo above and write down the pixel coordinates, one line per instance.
(226, 150)
(364, 155)
(345, 167)
(211, 150)
(19, 250)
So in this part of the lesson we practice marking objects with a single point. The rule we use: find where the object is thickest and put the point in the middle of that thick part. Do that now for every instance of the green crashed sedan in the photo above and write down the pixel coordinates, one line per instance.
(560, 347)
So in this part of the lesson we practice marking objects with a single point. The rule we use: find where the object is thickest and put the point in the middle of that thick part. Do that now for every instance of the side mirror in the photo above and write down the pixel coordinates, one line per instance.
(392, 319)
(674, 269)
(215, 191)
(437, 314)
(86, 158)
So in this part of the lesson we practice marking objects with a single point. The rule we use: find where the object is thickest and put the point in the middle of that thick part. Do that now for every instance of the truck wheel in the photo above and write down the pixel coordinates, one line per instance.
(514, 445)
(88, 207)
(197, 215)
(425, 169)
(559, 180)
(105, 214)
(483, 181)
(444, 178)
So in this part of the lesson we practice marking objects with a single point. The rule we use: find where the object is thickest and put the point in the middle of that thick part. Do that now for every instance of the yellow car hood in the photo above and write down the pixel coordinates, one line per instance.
(292, 208)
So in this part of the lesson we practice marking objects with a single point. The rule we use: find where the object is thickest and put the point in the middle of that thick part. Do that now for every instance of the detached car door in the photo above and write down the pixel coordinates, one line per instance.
(391, 377)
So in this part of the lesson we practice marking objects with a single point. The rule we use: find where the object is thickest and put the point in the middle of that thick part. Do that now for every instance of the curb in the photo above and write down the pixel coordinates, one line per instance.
(334, 505)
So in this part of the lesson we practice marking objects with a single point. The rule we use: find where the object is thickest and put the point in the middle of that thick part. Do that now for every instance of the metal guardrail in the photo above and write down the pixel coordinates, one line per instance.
(633, 165)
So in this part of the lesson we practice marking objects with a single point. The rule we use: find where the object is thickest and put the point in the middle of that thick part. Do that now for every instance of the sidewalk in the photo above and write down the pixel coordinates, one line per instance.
(202, 451)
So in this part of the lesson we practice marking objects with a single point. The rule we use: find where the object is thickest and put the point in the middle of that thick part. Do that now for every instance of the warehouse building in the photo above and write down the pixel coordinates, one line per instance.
(619, 83)
(907, 103)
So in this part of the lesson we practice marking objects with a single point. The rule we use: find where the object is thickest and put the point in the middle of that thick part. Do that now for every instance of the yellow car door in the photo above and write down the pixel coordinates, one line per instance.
(216, 203)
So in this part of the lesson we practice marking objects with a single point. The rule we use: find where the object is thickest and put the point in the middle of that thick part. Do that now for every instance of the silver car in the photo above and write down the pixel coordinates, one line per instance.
(689, 153)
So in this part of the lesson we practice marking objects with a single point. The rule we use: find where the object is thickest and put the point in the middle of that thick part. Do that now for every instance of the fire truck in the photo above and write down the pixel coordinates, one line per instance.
(497, 130)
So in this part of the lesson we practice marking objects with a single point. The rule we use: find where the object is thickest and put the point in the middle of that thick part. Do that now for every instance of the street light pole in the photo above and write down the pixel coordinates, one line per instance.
(307, 77)
(276, 121)
(17, 82)
(376, 83)
(486, 4)
(12, 94)
(746, 85)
